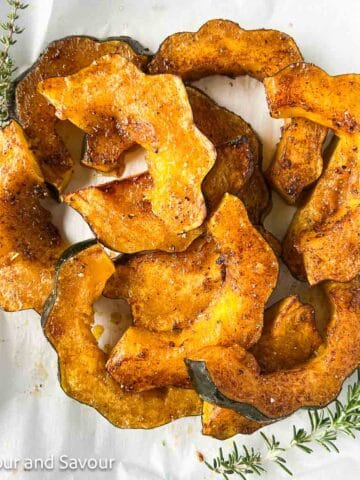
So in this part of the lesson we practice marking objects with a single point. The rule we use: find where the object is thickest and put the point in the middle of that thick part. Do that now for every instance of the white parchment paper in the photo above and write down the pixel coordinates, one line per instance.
(37, 420)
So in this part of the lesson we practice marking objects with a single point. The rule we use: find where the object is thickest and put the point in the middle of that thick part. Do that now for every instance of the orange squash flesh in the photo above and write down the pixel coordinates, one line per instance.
(314, 383)
(81, 276)
(289, 338)
(155, 111)
(132, 227)
(322, 242)
(29, 243)
(143, 360)
(158, 287)
(62, 57)
(234, 172)
(298, 160)
(305, 90)
(223, 47)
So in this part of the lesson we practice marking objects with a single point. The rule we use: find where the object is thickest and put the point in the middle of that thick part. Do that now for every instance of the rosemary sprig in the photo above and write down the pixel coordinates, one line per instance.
(325, 425)
(7, 67)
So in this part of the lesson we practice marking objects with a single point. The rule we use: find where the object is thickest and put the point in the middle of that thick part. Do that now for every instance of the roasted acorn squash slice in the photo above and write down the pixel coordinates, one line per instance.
(323, 239)
(155, 111)
(132, 227)
(81, 275)
(29, 243)
(298, 160)
(248, 271)
(158, 287)
(62, 57)
(315, 383)
(223, 47)
(234, 171)
(305, 90)
(289, 338)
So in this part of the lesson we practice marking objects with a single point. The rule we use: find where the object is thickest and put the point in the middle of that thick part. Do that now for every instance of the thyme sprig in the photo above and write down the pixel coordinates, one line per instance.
(7, 67)
(325, 425)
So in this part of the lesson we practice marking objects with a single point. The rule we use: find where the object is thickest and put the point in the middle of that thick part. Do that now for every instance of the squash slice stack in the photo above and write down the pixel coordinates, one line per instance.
(244, 268)
(81, 275)
(197, 267)
(221, 47)
(322, 242)
(37, 116)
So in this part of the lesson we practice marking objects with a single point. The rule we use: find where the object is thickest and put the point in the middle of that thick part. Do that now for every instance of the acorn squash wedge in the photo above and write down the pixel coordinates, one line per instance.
(315, 383)
(289, 338)
(155, 111)
(305, 90)
(323, 239)
(248, 272)
(62, 57)
(158, 286)
(236, 171)
(81, 275)
(223, 47)
(132, 227)
(298, 160)
(29, 243)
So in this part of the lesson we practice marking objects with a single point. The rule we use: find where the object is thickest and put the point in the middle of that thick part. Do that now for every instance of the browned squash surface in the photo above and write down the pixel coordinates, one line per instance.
(323, 239)
(132, 227)
(314, 383)
(37, 116)
(143, 359)
(237, 169)
(29, 243)
(155, 111)
(233, 171)
(104, 149)
(305, 90)
(223, 47)
(298, 160)
(81, 277)
(289, 338)
(168, 291)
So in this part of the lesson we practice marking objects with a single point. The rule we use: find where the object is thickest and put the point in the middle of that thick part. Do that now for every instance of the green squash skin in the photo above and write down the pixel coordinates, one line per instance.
(208, 391)
(206, 388)
(69, 253)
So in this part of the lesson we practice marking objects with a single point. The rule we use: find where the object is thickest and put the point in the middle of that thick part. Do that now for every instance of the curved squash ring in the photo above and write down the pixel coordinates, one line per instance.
(29, 243)
(37, 116)
(80, 277)
(223, 47)
(155, 111)
(143, 360)
(322, 242)
(269, 397)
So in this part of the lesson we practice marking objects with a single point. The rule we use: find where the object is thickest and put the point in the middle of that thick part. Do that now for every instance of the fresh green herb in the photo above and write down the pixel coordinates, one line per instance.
(7, 67)
(325, 425)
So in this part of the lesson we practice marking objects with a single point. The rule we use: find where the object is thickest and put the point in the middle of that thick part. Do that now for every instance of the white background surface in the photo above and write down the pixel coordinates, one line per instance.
(36, 418)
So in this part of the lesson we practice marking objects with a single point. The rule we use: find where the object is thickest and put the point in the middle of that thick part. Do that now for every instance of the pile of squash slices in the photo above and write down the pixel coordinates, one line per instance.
(196, 267)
